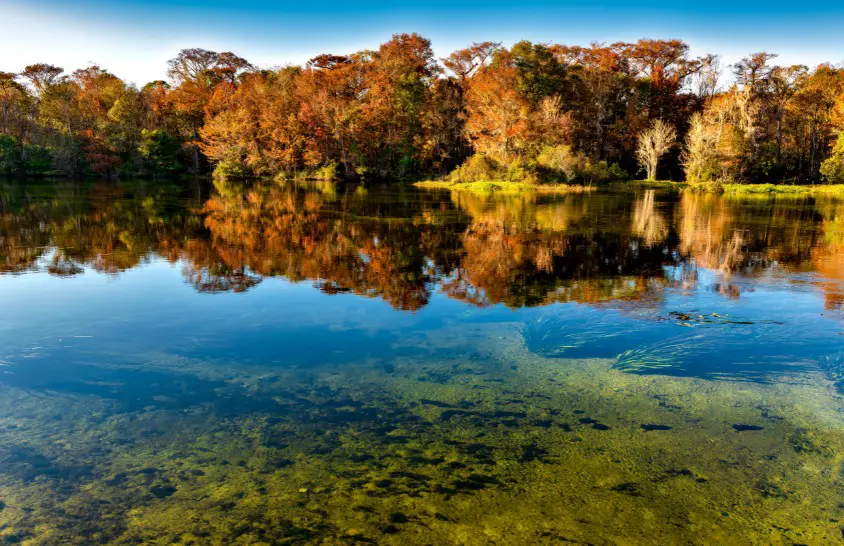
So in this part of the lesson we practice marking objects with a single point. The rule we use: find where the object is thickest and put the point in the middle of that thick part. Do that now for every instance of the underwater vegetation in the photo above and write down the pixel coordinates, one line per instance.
(492, 443)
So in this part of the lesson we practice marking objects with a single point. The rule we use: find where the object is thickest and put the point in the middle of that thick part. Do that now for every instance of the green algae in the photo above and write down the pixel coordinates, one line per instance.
(493, 444)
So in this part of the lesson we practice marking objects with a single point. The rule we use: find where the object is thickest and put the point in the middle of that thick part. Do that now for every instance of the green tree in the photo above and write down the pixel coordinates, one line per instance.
(832, 169)
(540, 73)
(160, 151)
(9, 155)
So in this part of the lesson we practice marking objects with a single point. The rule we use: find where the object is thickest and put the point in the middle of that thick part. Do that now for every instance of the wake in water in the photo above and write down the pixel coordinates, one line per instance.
(684, 343)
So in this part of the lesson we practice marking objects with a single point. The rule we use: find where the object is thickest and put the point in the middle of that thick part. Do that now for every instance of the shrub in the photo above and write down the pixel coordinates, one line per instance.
(326, 172)
(230, 168)
(562, 164)
(554, 164)
(596, 173)
(478, 167)
(560, 160)
(617, 173)
(523, 172)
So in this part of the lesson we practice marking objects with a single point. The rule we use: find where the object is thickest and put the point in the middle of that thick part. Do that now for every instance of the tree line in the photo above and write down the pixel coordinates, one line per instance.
(532, 113)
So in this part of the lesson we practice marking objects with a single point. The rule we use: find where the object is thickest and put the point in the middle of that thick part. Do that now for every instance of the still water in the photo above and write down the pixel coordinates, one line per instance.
(323, 364)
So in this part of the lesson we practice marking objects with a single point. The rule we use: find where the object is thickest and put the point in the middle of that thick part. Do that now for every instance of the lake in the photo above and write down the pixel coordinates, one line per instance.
(320, 363)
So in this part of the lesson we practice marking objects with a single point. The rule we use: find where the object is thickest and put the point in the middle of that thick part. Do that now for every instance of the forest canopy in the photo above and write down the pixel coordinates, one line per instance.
(532, 113)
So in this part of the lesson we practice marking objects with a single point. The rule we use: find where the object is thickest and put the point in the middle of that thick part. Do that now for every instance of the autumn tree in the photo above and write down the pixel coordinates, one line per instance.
(814, 106)
(497, 120)
(229, 67)
(443, 144)
(42, 75)
(784, 82)
(398, 80)
(97, 93)
(700, 155)
(464, 63)
(329, 93)
(661, 69)
(652, 144)
(704, 82)
(600, 92)
(16, 108)
(196, 73)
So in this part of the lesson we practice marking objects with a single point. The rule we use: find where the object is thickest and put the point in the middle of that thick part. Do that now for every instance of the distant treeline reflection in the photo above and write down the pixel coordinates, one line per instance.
(521, 250)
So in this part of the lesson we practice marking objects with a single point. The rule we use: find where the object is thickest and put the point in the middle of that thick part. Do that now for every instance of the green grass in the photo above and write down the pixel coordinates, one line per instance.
(502, 186)
(505, 186)
(785, 189)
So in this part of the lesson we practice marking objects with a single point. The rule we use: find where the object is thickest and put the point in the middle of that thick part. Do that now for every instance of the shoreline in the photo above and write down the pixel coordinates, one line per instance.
(503, 186)
(785, 189)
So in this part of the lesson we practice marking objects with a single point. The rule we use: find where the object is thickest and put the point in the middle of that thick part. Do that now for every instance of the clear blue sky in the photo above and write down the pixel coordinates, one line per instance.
(134, 39)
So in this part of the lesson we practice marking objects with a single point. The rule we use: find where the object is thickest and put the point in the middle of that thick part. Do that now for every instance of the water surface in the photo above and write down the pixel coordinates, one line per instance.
(330, 364)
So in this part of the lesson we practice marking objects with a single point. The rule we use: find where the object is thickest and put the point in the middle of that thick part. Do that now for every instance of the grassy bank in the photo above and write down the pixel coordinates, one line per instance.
(785, 189)
(738, 189)
(502, 186)
(769, 189)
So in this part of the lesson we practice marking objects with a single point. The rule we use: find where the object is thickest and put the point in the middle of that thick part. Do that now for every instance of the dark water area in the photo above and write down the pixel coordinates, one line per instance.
(324, 364)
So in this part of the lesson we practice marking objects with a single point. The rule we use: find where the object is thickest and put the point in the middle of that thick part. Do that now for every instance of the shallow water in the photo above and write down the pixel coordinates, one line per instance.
(327, 364)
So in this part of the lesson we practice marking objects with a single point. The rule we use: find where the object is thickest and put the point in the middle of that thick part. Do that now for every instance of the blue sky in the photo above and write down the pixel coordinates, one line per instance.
(134, 39)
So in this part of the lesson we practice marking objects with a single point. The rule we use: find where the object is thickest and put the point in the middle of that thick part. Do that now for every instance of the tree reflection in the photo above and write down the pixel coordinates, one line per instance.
(525, 250)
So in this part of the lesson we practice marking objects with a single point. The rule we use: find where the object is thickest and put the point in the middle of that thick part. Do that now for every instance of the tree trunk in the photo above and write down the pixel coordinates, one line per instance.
(814, 149)
(800, 156)
(652, 169)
